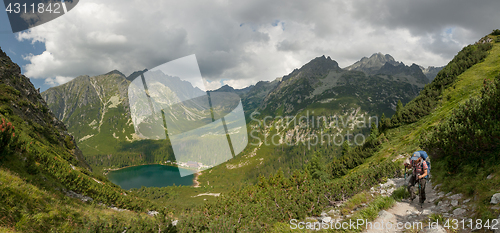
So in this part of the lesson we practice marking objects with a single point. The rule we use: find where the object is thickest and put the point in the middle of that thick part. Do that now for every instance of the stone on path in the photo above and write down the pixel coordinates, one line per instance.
(459, 211)
(454, 202)
(495, 199)
(456, 197)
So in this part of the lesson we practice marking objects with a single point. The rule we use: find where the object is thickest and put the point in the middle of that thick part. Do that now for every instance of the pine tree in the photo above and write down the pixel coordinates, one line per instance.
(345, 148)
(374, 131)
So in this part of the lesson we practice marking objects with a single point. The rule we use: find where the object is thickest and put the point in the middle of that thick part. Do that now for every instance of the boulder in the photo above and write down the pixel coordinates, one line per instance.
(443, 204)
(426, 212)
(388, 184)
(495, 199)
(459, 212)
(456, 197)
(326, 219)
(490, 176)
(152, 213)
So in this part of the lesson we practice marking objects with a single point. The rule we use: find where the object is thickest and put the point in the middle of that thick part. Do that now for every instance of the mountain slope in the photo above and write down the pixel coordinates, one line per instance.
(282, 190)
(40, 166)
(321, 84)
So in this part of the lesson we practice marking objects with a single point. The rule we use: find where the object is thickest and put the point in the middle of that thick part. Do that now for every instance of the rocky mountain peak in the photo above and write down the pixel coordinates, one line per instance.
(317, 67)
(374, 63)
(115, 72)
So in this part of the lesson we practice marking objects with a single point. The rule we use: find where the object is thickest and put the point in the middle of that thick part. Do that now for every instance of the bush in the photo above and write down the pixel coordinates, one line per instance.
(69, 142)
(471, 135)
(495, 32)
(7, 138)
(428, 98)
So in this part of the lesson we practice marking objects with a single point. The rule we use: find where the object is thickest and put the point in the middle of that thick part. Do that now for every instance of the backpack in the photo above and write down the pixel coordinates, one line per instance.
(425, 157)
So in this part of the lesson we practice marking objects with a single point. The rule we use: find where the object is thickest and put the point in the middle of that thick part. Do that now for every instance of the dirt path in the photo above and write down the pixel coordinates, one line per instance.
(195, 181)
(404, 212)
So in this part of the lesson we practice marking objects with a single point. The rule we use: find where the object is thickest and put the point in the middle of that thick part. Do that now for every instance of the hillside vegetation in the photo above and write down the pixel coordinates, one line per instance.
(40, 165)
(460, 100)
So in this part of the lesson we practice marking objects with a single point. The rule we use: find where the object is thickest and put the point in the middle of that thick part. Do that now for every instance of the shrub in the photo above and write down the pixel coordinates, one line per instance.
(69, 142)
(471, 135)
(495, 32)
(7, 137)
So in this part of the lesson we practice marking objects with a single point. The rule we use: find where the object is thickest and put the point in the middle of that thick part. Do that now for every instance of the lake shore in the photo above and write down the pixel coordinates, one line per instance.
(196, 183)
(107, 170)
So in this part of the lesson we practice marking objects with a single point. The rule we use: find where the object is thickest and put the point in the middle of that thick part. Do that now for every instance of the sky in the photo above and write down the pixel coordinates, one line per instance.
(242, 42)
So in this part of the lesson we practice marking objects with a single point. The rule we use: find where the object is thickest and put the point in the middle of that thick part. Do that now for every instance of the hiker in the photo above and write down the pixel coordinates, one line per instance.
(419, 176)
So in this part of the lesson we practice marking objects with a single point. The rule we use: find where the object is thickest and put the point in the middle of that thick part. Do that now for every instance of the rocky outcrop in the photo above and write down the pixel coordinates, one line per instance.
(373, 64)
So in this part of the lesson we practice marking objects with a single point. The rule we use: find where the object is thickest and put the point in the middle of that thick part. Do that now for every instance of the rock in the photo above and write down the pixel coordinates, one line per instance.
(398, 182)
(446, 215)
(454, 202)
(437, 186)
(389, 183)
(443, 204)
(323, 214)
(449, 194)
(456, 197)
(83, 198)
(490, 176)
(175, 222)
(495, 199)
(382, 191)
(440, 194)
(332, 212)
(390, 191)
(445, 208)
(326, 219)
(466, 201)
(426, 212)
(152, 213)
(459, 211)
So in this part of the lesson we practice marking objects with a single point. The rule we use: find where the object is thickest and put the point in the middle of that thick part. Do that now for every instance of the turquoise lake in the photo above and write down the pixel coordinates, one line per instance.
(154, 175)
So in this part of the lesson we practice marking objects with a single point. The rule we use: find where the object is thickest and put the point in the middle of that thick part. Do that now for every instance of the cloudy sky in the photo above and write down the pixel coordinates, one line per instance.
(242, 42)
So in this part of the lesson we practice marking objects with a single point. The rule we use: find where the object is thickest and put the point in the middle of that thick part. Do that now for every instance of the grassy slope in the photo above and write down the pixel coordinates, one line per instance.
(405, 139)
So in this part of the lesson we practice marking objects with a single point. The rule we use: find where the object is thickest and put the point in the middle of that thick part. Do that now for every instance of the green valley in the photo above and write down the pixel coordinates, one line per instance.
(321, 139)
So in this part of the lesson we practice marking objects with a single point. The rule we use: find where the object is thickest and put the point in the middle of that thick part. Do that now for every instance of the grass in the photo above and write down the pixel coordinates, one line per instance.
(400, 193)
(28, 208)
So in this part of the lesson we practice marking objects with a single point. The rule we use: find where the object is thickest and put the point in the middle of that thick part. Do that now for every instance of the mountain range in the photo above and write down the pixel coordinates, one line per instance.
(96, 109)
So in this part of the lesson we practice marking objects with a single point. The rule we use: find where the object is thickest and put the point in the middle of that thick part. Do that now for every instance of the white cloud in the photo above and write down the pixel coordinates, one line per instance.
(240, 42)
(58, 80)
